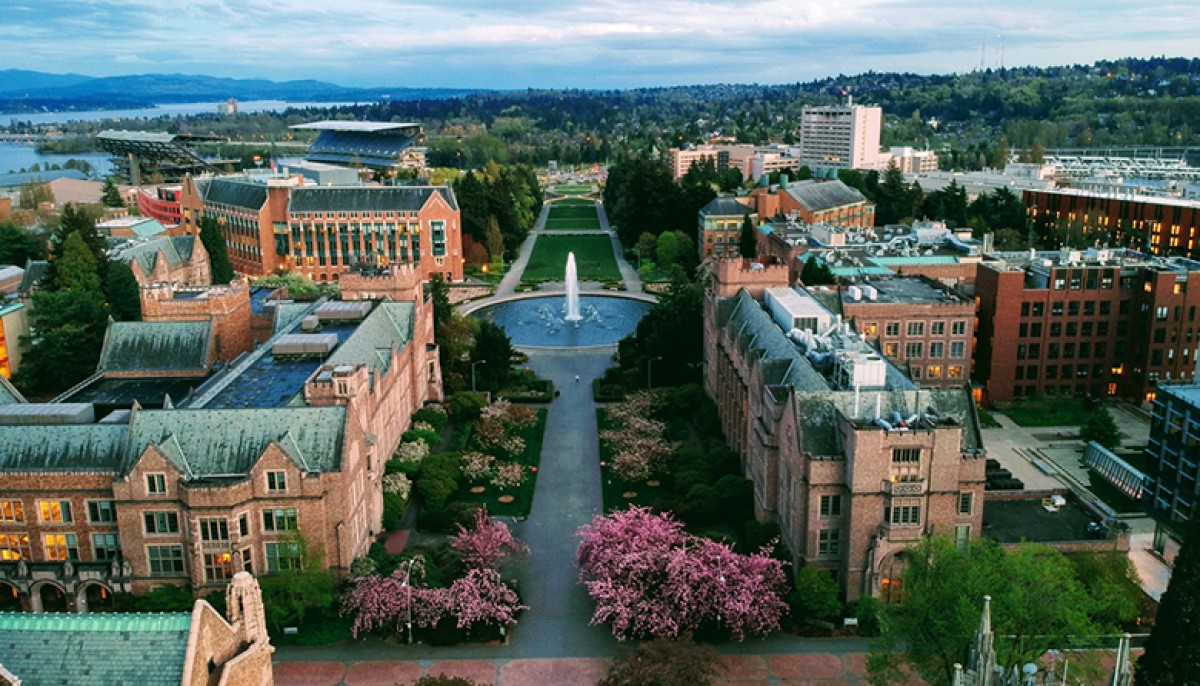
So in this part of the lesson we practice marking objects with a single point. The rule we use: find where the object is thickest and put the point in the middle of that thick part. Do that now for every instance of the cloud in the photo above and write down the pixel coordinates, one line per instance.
(597, 43)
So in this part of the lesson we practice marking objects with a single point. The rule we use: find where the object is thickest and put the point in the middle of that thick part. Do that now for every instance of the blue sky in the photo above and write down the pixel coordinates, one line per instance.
(577, 43)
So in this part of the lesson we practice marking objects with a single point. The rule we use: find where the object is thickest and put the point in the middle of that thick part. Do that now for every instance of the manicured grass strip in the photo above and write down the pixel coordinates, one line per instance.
(572, 225)
(1047, 411)
(578, 189)
(573, 212)
(593, 258)
(573, 202)
(523, 496)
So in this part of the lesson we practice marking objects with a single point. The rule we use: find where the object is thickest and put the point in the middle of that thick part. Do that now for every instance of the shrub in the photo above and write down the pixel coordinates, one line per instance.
(867, 613)
(465, 406)
(435, 415)
(815, 595)
(398, 484)
(413, 451)
(430, 437)
(477, 466)
(393, 511)
(435, 519)
(363, 566)
(663, 663)
(757, 534)
(508, 475)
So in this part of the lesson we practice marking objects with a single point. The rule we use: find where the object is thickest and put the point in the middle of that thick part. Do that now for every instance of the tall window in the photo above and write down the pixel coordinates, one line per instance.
(12, 511)
(959, 328)
(829, 542)
(831, 506)
(60, 547)
(276, 482)
(55, 511)
(937, 349)
(916, 328)
(958, 349)
(106, 546)
(214, 529)
(908, 515)
(156, 484)
(162, 523)
(892, 329)
(937, 328)
(15, 547)
(906, 454)
(101, 511)
(964, 503)
(243, 525)
(283, 557)
(165, 560)
(218, 566)
(914, 350)
(280, 519)
(962, 536)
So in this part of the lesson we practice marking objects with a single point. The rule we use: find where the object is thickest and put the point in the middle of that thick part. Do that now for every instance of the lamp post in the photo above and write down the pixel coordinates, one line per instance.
(649, 372)
(408, 593)
(473, 365)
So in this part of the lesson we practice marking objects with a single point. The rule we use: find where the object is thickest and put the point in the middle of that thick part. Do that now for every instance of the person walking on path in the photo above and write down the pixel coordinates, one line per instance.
(576, 378)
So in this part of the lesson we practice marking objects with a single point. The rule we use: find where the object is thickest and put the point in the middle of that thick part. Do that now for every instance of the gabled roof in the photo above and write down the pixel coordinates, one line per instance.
(367, 198)
(816, 196)
(250, 196)
(389, 326)
(174, 249)
(61, 448)
(725, 206)
(95, 649)
(156, 347)
(229, 442)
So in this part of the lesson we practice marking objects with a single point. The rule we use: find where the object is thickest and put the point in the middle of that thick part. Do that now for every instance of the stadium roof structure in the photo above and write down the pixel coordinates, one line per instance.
(377, 145)
(168, 153)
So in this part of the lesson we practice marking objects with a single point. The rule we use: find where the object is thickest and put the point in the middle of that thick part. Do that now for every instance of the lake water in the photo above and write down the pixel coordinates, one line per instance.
(15, 157)
(167, 110)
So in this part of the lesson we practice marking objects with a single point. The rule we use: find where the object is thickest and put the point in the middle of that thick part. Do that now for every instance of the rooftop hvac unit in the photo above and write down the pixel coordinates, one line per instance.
(305, 344)
(344, 311)
(855, 292)
(871, 292)
(310, 323)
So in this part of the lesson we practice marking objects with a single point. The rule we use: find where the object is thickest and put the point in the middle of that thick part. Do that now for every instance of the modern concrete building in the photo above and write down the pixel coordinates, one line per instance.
(1174, 452)
(274, 446)
(1085, 322)
(853, 459)
(910, 161)
(840, 136)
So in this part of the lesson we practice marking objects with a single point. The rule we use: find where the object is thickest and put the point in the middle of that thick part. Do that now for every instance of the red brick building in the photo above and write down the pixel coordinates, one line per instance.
(1095, 322)
(846, 453)
(812, 202)
(1162, 226)
(918, 323)
(323, 232)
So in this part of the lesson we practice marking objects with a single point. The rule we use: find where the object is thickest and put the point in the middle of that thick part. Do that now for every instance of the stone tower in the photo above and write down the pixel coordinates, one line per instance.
(244, 606)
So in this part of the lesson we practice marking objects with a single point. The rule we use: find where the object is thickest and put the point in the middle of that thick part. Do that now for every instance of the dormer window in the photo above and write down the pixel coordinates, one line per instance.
(276, 482)
(156, 484)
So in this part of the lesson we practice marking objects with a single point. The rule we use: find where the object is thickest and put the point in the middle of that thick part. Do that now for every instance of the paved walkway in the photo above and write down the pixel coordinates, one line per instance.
(508, 284)
(629, 275)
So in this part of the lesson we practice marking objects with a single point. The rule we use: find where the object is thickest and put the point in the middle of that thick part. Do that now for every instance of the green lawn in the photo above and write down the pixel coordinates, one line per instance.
(531, 457)
(573, 218)
(573, 202)
(614, 489)
(579, 189)
(573, 212)
(593, 258)
(1047, 411)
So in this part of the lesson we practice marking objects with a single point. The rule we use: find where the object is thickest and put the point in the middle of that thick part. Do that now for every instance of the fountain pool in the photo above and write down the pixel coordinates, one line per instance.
(543, 322)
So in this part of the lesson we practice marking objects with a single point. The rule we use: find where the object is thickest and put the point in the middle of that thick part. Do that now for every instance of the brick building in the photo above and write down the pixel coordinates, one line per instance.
(161, 203)
(918, 323)
(322, 232)
(167, 259)
(1161, 226)
(229, 308)
(279, 445)
(719, 225)
(813, 202)
(1095, 322)
(851, 458)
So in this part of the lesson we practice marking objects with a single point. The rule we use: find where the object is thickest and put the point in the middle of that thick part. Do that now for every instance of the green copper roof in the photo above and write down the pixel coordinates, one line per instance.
(905, 261)
(228, 442)
(156, 347)
(367, 198)
(389, 326)
(9, 393)
(61, 448)
(174, 249)
(95, 649)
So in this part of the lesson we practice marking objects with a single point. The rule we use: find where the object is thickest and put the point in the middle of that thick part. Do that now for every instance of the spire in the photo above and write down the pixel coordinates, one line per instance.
(981, 668)
(985, 622)
(243, 601)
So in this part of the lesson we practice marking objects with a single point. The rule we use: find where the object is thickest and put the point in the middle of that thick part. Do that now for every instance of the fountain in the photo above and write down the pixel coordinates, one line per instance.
(572, 290)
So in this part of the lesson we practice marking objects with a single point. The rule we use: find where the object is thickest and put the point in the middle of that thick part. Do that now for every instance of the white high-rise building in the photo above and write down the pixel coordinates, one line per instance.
(840, 136)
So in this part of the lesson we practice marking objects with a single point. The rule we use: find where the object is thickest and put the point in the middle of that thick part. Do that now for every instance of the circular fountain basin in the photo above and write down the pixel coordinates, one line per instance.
(541, 322)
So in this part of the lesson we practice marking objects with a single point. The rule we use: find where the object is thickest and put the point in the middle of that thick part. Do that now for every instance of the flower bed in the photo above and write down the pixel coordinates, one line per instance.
(511, 436)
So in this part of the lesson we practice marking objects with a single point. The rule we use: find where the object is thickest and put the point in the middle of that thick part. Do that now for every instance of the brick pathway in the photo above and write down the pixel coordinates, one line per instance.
(816, 669)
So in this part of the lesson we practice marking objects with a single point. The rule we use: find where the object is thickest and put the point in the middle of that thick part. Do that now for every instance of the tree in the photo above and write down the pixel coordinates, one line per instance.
(34, 194)
(671, 333)
(487, 544)
(65, 344)
(647, 245)
(748, 240)
(110, 196)
(816, 272)
(663, 662)
(75, 267)
(493, 239)
(1172, 656)
(18, 245)
(77, 220)
(667, 250)
(218, 256)
(1101, 428)
(123, 293)
(816, 594)
(494, 349)
(439, 293)
(651, 579)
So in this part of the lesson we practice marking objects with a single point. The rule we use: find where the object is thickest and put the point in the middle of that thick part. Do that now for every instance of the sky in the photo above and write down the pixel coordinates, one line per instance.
(579, 43)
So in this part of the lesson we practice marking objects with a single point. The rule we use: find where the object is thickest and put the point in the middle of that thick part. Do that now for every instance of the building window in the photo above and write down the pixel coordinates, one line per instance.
(61, 547)
(277, 482)
(15, 547)
(916, 328)
(829, 542)
(962, 535)
(55, 511)
(937, 349)
(218, 566)
(165, 560)
(106, 546)
(937, 328)
(214, 529)
(958, 349)
(891, 349)
(913, 350)
(934, 371)
(959, 328)
(156, 484)
(831, 506)
(283, 556)
(964, 503)
(955, 371)
(12, 511)
(906, 454)
(101, 511)
(906, 515)
(892, 329)
(162, 523)
(243, 525)
(247, 561)
(279, 519)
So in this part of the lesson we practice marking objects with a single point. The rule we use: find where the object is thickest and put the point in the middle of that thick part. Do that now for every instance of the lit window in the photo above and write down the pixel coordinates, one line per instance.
(15, 547)
(55, 511)
(218, 566)
(61, 547)
(12, 511)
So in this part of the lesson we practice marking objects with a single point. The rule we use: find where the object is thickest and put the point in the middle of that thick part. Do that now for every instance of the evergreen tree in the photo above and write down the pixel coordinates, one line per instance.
(816, 272)
(748, 240)
(667, 249)
(1101, 428)
(75, 267)
(494, 348)
(110, 196)
(123, 293)
(1172, 656)
(78, 220)
(17, 245)
(218, 255)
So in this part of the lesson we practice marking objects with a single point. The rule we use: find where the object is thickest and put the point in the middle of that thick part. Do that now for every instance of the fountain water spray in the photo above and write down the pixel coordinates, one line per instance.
(572, 290)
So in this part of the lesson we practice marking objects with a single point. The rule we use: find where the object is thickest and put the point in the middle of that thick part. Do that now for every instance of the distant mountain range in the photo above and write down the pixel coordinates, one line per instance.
(33, 91)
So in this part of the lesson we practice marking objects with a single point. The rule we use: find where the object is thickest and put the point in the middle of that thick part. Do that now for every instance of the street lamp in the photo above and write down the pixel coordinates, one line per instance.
(649, 370)
(408, 591)
(473, 364)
